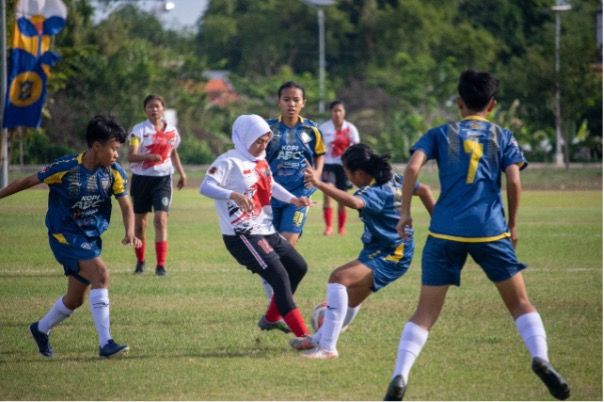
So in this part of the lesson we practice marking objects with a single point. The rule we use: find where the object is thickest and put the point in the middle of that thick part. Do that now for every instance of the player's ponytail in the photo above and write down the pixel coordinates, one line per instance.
(362, 157)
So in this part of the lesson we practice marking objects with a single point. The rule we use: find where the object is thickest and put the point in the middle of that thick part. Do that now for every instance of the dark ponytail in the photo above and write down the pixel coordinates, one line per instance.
(362, 157)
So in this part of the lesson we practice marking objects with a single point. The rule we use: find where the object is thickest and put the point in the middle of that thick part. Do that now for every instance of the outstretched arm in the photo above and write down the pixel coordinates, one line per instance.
(19, 185)
(424, 192)
(310, 177)
(409, 178)
(128, 218)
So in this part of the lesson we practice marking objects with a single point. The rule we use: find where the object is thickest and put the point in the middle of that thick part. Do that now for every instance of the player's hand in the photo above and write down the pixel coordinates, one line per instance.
(302, 202)
(131, 239)
(405, 221)
(181, 182)
(246, 204)
(154, 158)
(514, 236)
(310, 177)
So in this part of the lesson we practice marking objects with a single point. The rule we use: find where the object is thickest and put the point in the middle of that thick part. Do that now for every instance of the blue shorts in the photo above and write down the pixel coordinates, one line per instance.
(388, 266)
(443, 260)
(289, 218)
(71, 249)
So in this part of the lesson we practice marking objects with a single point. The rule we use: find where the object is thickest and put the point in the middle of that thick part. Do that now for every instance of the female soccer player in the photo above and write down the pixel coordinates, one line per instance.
(338, 135)
(79, 209)
(153, 156)
(241, 183)
(385, 255)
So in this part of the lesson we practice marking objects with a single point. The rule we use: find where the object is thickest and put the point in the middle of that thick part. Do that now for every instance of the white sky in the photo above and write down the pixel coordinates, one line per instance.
(183, 15)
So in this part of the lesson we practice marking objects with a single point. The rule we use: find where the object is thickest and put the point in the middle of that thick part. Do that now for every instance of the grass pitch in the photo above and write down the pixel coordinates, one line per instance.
(193, 334)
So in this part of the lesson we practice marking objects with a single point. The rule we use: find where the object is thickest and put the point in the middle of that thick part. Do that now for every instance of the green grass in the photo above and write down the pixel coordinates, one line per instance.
(193, 334)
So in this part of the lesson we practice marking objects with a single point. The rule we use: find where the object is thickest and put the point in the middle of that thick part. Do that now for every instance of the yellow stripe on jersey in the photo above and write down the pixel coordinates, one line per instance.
(470, 239)
(135, 141)
(398, 254)
(320, 145)
(55, 178)
(60, 238)
(119, 184)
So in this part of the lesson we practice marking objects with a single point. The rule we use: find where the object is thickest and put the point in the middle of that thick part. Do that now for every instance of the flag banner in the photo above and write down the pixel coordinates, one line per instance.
(30, 60)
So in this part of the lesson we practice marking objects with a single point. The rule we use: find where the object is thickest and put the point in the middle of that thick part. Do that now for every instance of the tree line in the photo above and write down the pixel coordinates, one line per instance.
(395, 64)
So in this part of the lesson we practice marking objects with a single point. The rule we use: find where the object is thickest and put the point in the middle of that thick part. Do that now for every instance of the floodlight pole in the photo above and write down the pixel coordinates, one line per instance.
(3, 90)
(560, 6)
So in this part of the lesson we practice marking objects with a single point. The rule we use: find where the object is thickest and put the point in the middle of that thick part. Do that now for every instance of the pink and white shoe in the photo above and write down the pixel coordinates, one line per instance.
(320, 354)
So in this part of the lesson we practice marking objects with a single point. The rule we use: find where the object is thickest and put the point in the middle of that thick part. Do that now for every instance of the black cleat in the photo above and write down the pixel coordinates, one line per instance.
(266, 325)
(112, 349)
(140, 268)
(396, 389)
(160, 271)
(41, 340)
(555, 383)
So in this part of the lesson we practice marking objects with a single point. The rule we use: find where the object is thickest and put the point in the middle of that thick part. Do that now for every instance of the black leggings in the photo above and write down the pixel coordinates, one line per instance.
(275, 260)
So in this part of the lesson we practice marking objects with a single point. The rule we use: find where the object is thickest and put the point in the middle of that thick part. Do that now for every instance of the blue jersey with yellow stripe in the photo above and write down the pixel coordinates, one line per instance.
(289, 151)
(471, 155)
(381, 214)
(79, 201)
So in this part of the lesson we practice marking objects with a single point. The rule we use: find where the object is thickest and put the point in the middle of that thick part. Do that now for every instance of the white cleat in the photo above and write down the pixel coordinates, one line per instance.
(320, 354)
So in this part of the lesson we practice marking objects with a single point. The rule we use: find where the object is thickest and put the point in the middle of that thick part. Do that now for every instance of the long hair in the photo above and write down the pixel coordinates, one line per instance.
(362, 157)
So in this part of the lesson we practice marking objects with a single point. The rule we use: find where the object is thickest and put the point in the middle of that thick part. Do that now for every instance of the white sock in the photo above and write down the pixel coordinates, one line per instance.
(351, 313)
(57, 313)
(533, 334)
(99, 307)
(337, 303)
(268, 290)
(411, 344)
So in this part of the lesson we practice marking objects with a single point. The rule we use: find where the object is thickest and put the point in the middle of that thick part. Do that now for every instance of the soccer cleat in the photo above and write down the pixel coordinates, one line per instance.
(112, 349)
(555, 383)
(266, 325)
(302, 343)
(140, 267)
(396, 389)
(328, 231)
(160, 271)
(41, 340)
(342, 231)
(319, 354)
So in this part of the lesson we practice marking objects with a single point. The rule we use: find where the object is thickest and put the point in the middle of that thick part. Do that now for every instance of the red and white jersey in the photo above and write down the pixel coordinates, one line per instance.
(252, 178)
(337, 141)
(152, 141)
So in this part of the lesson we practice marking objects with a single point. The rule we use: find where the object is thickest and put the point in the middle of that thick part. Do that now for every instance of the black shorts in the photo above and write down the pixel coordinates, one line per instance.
(151, 192)
(334, 174)
(258, 252)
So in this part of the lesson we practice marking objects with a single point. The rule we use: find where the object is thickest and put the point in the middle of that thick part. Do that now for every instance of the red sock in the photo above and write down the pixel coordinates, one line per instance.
(341, 220)
(139, 252)
(328, 216)
(295, 322)
(272, 314)
(161, 251)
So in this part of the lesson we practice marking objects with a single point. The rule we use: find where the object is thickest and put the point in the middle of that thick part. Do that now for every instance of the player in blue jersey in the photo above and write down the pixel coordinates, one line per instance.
(469, 218)
(385, 256)
(296, 143)
(79, 211)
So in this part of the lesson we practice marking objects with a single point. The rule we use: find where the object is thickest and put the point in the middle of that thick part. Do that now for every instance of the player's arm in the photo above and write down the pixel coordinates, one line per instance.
(409, 178)
(424, 192)
(181, 171)
(319, 162)
(514, 190)
(134, 154)
(128, 218)
(280, 193)
(344, 197)
(19, 185)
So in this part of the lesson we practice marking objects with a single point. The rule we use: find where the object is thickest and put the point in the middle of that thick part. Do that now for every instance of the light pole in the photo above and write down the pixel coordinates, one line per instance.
(559, 7)
(318, 4)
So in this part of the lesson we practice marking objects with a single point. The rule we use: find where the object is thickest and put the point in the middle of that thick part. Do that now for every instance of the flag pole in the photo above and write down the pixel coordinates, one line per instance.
(3, 90)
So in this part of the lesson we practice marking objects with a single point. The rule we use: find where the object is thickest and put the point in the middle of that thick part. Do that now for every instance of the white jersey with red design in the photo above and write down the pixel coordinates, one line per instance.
(251, 178)
(152, 141)
(337, 141)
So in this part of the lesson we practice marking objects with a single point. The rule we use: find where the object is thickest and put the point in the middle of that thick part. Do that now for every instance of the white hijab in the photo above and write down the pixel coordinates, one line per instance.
(246, 130)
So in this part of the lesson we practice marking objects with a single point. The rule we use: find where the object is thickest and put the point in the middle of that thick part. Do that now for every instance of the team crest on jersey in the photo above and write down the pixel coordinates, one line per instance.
(213, 170)
(305, 137)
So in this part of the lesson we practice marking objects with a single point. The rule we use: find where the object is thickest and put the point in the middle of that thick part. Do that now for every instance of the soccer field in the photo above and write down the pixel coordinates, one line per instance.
(193, 334)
